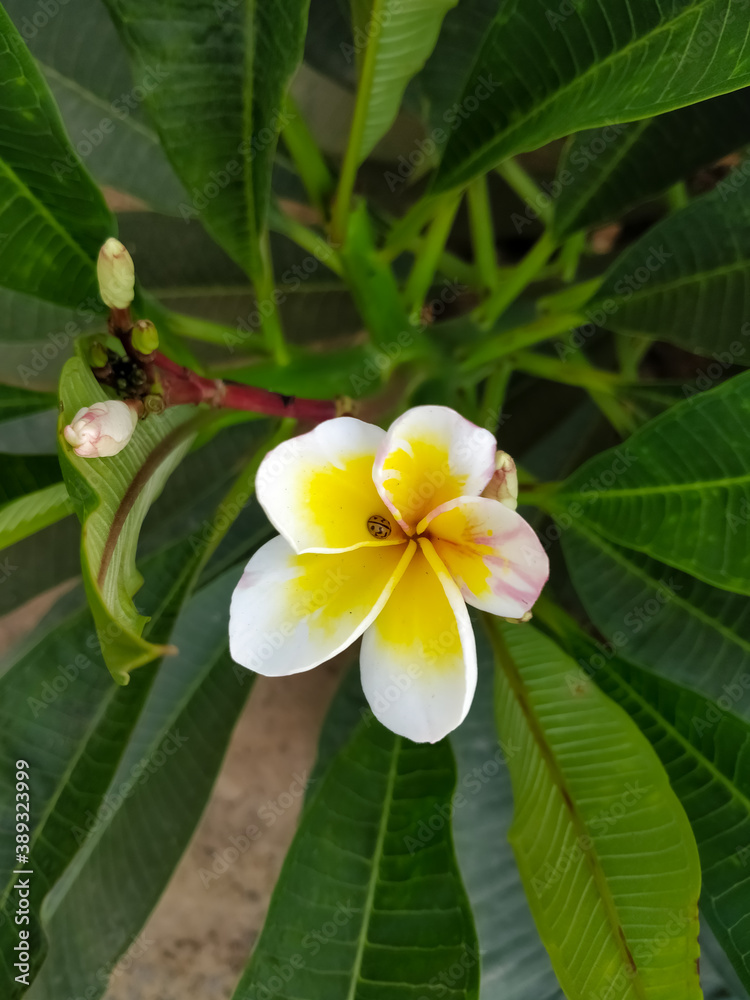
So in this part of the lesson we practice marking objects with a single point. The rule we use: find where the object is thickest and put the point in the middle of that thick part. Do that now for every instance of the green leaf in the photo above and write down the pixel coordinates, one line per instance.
(604, 848)
(111, 497)
(704, 749)
(665, 620)
(52, 220)
(686, 279)
(605, 171)
(539, 73)
(400, 37)
(366, 905)
(32, 512)
(154, 799)
(86, 68)
(515, 965)
(678, 490)
(218, 105)
(63, 714)
(16, 402)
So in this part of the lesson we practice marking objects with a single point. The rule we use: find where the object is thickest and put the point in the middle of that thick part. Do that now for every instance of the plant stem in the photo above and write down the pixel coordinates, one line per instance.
(427, 260)
(540, 496)
(482, 231)
(266, 292)
(526, 188)
(570, 255)
(493, 396)
(210, 333)
(503, 344)
(521, 275)
(308, 159)
(408, 227)
(630, 351)
(181, 385)
(584, 376)
(353, 154)
(677, 197)
(306, 238)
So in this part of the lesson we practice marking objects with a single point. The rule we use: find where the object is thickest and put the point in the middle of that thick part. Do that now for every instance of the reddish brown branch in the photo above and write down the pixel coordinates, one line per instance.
(181, 385)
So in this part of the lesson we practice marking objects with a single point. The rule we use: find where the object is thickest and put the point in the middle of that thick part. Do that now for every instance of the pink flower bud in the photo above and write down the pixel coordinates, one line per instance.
(102, 429)
(504, 484)
(116, 275)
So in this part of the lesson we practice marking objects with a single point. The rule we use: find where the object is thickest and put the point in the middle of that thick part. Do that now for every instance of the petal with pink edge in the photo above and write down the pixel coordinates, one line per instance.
(317, 489)
(290, 612)
(431, 455)
(418, 659)
(494, 556)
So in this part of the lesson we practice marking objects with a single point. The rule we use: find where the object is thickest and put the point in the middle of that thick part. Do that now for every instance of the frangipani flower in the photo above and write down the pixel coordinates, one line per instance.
(386, 535)
(102, 429)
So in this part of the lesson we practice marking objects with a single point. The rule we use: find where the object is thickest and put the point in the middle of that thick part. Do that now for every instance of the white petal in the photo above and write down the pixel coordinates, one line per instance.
(418, 659)
(290, 612)
(492, 553)
(431, 455)
(317, 489)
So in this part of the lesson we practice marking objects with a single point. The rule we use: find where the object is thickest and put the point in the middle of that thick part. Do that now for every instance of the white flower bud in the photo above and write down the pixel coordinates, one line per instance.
(102, 429)
(504, 484)
(116, 275)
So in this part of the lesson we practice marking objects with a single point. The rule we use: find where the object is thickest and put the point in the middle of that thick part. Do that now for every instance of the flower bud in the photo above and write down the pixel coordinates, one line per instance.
(116, 275)
(102, 429)
(504, 484)
(98, 356)
(145, 336)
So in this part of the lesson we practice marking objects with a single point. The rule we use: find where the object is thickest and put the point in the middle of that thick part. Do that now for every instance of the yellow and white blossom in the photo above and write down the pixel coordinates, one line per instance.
(387, 535)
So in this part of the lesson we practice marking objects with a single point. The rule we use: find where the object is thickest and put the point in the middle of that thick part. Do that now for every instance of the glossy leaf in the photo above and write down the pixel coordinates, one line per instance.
(362, 865)
(154, 800)
(704, 748)
(111, 497)
(541, 72)
(604, 848)
(678, 490)
(65, 717)
(605, 171)
(52, 216)
(86, 68)
(683, 629)
(686, 280)
(16, 402)
(219, 105)
(515, 965)
(32, 512)
(399, 38)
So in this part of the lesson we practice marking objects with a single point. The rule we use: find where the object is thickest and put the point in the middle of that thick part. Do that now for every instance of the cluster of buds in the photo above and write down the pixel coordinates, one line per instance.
(104, 428)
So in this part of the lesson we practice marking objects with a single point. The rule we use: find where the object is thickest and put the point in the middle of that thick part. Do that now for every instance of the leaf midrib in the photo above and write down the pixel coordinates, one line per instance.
(375, 870)
(743, 264)
(573, 84)
(42, 209)
(692, 609)
(657, 489)
(92, 98)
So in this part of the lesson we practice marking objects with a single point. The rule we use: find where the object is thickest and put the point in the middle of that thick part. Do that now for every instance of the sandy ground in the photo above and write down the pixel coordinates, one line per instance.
(200, 935)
